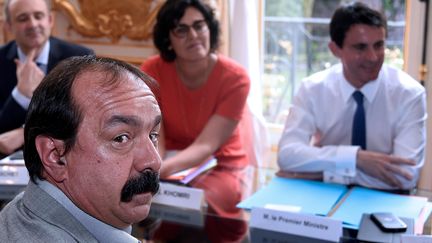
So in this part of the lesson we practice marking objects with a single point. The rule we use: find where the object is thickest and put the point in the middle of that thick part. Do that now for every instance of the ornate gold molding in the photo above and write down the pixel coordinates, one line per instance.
(111, 18)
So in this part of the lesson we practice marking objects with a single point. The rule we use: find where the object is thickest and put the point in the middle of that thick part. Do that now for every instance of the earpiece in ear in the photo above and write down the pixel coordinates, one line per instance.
(62, 161)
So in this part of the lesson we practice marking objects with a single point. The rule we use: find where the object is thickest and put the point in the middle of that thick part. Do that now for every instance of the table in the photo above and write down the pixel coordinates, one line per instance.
(181, 225)
(172, 224)
(169, 224)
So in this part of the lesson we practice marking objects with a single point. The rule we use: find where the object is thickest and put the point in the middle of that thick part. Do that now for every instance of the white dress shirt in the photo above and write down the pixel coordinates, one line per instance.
(317, 133)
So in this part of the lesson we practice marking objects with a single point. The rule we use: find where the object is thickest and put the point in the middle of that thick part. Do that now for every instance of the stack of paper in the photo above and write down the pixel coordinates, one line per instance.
(186, 176)
(13, 170)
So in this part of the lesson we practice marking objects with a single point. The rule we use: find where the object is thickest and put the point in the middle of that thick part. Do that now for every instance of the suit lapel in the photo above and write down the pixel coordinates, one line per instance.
(54, 53)
(49, 210)
(12, 53)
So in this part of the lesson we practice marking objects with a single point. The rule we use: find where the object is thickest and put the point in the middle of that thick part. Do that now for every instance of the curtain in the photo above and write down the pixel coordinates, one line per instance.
(244, 48)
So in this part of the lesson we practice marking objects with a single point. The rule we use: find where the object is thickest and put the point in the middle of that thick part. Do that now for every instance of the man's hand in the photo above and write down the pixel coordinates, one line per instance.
(29, 75)
(384, 167)
(318, 176)
(11, 141)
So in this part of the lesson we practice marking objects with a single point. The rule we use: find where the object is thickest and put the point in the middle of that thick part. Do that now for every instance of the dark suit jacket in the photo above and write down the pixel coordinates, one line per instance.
(34, 216)
(12, 115)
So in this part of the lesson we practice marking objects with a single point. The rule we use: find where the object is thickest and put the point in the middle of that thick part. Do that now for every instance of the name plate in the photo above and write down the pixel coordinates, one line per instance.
(179, 196)
(13, 172)
(307, 225)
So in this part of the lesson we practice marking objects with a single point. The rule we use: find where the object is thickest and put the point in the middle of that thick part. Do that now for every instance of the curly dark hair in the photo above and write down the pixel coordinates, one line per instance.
(169, 16)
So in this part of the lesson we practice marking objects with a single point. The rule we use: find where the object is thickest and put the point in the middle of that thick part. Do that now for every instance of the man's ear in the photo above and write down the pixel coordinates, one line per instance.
(334, 48)
(51, 19)
(51, 151)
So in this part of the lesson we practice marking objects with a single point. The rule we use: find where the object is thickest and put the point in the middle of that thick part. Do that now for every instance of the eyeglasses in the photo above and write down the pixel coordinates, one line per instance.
(182, 30)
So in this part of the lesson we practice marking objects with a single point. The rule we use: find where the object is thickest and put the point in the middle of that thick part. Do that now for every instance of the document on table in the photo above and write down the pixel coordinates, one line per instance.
(334, 200)
(363, 200)
(310, 196)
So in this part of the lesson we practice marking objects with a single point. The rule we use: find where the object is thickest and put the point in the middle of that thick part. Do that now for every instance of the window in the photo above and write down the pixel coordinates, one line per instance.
(295, 38)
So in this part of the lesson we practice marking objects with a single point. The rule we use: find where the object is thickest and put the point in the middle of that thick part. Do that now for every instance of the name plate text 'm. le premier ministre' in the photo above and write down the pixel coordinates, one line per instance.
(301, 224)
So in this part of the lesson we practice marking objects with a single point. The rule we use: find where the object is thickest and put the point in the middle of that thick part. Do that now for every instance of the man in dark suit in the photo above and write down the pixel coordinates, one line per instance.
(24, 62)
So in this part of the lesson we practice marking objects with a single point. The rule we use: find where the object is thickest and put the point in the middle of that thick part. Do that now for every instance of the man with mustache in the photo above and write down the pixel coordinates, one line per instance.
(359, 122)
(90, 148)
(24, 62)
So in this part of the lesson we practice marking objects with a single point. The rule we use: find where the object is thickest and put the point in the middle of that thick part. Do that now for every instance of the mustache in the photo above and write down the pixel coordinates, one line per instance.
(147, 181)
(33, 30)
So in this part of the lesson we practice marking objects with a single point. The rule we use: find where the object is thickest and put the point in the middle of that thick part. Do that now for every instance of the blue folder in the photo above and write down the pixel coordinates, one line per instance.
(363, 200)
(320, 198)
(311, 196)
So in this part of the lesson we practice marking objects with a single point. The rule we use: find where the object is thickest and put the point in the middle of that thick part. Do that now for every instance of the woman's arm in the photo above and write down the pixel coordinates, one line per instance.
(215, 133)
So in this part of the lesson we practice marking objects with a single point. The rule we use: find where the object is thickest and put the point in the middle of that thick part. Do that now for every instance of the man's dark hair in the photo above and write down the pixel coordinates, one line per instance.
(168, 18)
(53, 111)
(356, 13)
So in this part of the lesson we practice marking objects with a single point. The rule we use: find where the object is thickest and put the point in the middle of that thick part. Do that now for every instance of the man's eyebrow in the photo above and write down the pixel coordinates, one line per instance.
(157, 120)
(29, 13)
(128, 120)
(21, 15)
(379, 42)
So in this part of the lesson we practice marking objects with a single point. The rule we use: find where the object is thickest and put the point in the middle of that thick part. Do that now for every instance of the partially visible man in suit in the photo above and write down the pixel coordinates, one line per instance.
(24, 62)
(91, 151)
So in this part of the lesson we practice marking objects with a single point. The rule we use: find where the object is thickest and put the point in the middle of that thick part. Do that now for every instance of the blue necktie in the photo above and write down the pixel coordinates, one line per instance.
(42, 67)
(359, 122)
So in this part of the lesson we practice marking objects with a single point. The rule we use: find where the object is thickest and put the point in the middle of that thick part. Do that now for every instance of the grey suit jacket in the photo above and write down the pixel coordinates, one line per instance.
(34, 216)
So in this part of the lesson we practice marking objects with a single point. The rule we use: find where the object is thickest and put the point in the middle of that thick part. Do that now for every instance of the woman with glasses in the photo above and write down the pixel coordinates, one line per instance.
(202, 98)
